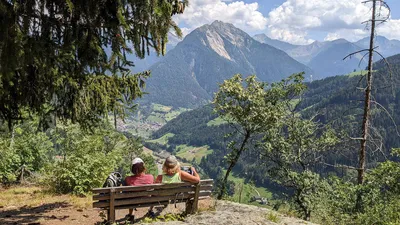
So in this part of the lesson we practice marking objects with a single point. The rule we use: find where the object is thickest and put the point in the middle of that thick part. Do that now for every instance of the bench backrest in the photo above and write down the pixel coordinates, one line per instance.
(148, 195)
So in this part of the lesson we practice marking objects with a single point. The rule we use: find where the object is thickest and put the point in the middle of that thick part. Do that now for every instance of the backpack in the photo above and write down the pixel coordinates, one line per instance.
(113, 180)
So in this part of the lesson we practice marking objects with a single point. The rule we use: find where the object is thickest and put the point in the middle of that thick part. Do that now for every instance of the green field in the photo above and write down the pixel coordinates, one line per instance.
(247, 190)
(358, 73)
(161, 108)
(174, 113)
(156, 118)
(162, 114)
(190, 152)
(162, 140)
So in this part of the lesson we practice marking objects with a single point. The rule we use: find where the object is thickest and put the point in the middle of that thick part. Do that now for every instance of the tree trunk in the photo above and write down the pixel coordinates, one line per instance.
(367, 107)
(115, 120)
(233, 163)
(367, 103)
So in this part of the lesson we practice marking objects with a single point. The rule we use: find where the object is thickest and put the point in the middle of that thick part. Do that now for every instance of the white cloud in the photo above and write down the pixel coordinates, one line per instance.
(294, 20)
(348, 34)
(391, 29)
(242, 15)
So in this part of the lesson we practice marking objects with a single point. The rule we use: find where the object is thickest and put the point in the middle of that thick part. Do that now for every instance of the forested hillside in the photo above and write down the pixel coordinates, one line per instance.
(335, 101)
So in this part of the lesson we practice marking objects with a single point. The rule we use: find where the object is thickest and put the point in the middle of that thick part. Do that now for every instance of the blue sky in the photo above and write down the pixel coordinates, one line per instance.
(294, 21)
(267, 5)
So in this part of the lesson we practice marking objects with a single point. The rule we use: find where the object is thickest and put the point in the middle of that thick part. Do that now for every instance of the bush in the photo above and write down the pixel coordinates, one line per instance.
(88, 158)
(24, 147)
(380, 198)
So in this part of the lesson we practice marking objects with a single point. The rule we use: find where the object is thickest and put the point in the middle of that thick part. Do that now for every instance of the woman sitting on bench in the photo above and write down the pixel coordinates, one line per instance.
(139, 178)
(172, 173)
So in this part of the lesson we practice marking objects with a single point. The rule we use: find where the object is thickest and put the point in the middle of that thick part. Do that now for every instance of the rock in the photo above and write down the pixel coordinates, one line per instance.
(86, 215)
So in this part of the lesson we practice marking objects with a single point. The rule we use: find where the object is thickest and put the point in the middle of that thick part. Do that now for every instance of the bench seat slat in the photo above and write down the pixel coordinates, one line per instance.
(127, 194)
(152, 199)
(141, 187)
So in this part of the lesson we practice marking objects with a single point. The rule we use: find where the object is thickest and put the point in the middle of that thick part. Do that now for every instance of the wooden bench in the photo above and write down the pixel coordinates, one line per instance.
(128, 197)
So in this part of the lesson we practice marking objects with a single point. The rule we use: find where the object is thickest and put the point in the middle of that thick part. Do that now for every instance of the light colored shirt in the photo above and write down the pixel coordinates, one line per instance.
(166, 179)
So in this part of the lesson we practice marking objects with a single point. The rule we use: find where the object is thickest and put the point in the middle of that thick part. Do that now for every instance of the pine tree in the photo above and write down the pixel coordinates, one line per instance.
(53, 58)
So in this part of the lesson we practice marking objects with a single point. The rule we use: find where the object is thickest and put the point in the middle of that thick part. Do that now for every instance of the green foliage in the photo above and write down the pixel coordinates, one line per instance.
(253, 107)
(86, 159)
(273, 217)
(337, 205)
(55, 57)
(292, 151)
(165, 218)
(24, 147)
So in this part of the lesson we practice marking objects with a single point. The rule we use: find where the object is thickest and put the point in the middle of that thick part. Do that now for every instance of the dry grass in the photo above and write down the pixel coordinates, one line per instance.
(33, 196)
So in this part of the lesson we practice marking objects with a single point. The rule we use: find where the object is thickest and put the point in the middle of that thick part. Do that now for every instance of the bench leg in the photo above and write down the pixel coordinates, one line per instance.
(189, 207)
(111, 217)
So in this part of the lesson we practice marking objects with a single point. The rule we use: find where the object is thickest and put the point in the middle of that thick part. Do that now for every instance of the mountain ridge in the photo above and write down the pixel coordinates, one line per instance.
(210, 54)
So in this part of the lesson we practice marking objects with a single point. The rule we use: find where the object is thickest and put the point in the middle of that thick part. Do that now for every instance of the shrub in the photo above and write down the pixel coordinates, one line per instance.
(24, 147)
(86, 159)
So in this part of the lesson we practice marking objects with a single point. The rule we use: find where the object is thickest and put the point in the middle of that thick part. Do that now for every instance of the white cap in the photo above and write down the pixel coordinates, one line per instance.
(136, 161)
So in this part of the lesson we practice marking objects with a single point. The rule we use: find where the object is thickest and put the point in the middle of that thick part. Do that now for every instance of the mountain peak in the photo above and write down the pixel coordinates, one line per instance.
(340, 41)
(219, 23)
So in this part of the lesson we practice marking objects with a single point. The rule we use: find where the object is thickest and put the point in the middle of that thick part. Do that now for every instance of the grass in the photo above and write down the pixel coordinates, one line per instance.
(216, 122)
(33, 196)
(358, 73)
(273, 217)
(156, 118)
(161, 108)
(174, 113)
(163, 140)
(248, 191)
(190, 152)
(162, 114)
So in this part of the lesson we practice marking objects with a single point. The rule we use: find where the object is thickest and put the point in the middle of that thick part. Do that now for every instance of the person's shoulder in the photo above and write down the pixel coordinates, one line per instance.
(149, 175)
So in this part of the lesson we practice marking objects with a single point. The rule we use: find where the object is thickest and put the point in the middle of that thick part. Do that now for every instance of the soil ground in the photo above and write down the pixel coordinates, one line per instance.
(35, 206)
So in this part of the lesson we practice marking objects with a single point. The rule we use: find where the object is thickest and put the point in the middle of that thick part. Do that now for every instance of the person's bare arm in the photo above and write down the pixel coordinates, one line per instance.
(195, 178)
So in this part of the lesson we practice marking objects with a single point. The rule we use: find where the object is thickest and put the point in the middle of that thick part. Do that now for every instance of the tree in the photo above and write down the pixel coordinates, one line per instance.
(53, 59)
(27, 150)
(251, 107)
(367, 101)
(380, 4)
(292, 151)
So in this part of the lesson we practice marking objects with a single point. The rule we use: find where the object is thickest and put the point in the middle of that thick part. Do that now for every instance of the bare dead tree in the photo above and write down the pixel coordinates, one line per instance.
(375, 20)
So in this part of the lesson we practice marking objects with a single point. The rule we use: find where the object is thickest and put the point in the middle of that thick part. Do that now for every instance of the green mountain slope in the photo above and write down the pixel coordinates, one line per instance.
(334, 100)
